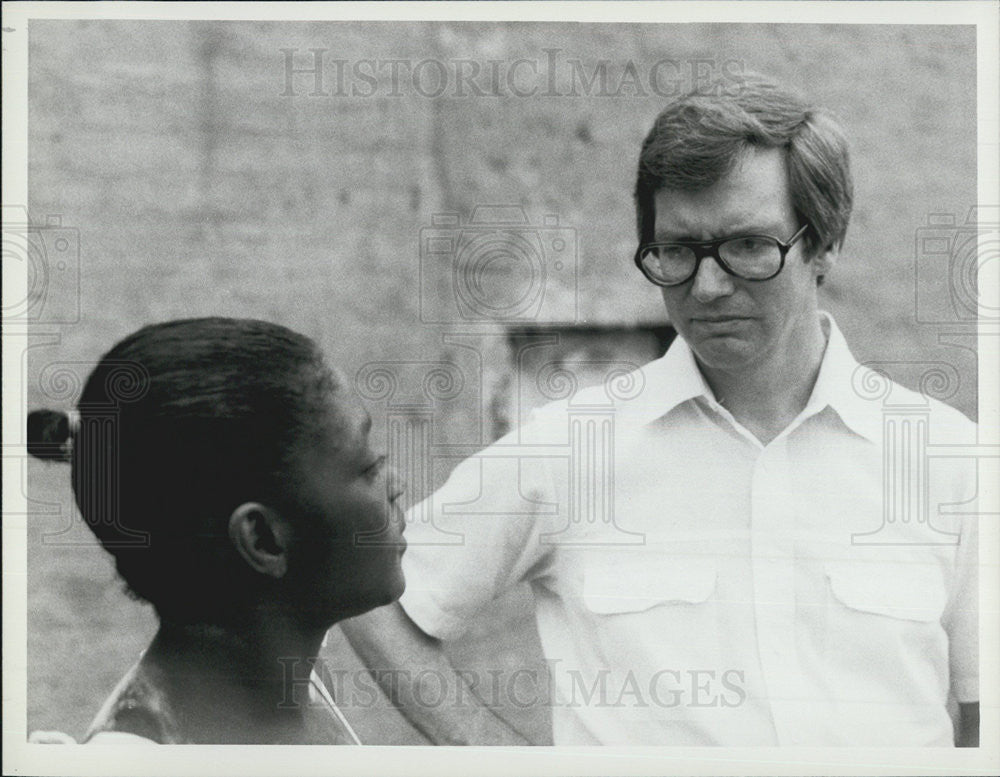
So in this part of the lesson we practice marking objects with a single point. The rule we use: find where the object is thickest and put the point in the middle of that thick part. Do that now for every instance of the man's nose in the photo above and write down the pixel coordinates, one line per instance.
(711, 281)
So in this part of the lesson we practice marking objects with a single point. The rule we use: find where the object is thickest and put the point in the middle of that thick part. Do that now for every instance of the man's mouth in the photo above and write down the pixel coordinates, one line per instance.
(718, 320)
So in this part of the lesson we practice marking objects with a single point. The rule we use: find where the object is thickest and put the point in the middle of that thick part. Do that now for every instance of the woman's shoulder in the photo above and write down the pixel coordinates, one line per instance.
(100, 738)
(139, 711)
(135, 713)
(138, 708)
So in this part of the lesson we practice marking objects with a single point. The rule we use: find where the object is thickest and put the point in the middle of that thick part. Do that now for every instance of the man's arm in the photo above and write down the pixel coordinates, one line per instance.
(968, 725)
(411, 668)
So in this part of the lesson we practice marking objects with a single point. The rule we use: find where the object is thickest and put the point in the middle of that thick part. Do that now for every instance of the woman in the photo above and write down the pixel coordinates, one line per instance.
(225, 468)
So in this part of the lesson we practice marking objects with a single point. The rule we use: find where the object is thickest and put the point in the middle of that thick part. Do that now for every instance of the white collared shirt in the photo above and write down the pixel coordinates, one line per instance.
(695, 587)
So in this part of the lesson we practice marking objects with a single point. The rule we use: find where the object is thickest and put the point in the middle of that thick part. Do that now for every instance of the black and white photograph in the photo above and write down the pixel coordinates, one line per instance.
(611, 385)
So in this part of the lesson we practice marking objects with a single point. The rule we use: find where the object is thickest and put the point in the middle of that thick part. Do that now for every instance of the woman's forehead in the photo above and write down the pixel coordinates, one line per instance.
(346, 423)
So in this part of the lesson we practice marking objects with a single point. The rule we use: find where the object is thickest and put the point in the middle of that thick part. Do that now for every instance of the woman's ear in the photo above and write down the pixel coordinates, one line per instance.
(262, 537)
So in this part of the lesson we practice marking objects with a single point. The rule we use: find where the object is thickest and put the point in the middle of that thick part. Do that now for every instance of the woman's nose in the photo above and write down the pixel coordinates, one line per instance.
(395, 484)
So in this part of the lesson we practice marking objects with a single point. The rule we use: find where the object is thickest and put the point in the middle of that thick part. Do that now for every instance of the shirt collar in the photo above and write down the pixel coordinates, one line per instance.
(675, 379)
(678, 379)
(837, 387)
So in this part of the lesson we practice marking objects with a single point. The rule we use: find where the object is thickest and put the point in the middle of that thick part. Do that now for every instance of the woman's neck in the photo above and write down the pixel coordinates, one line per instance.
(246, 681)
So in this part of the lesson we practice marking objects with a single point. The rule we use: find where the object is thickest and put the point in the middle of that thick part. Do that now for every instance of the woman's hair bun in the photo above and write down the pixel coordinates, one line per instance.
(49, 435)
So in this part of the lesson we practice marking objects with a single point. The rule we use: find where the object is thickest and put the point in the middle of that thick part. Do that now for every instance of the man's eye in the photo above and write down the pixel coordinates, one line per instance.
(672, 253)
(752, 244)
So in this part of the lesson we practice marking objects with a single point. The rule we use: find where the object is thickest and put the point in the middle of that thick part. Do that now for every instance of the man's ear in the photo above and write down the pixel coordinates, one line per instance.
(824, 262)
(262, 537)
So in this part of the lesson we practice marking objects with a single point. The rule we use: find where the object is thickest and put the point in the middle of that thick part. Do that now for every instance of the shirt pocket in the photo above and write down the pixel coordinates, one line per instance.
(632, 585)
(904, 591)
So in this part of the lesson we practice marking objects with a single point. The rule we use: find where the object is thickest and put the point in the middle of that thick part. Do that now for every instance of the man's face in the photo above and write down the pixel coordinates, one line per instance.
(732, 324)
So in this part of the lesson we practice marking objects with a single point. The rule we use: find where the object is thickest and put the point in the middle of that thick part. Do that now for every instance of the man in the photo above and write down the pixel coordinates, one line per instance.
(752, 582)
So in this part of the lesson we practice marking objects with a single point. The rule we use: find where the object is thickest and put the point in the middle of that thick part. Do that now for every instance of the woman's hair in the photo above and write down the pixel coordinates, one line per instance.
(698, 138)
(177, 425)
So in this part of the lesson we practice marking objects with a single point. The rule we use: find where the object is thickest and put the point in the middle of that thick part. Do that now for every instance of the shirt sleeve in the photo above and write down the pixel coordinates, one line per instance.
(961, 617)
(478, 535)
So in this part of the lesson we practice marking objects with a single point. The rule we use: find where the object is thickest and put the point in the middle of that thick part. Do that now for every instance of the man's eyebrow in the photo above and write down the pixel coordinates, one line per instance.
(673, 237)
(742, 228)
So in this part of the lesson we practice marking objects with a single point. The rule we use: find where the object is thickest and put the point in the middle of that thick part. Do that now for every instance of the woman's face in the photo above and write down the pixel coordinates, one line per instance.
(345, 559)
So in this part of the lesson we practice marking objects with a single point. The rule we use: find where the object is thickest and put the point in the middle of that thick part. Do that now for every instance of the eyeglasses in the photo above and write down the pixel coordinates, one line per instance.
(750, 257)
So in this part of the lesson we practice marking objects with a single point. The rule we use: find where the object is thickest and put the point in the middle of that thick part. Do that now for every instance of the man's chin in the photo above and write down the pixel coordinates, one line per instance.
(723, 353)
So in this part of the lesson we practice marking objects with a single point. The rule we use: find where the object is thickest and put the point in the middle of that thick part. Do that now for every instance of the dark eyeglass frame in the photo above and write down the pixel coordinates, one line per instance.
(711, 248)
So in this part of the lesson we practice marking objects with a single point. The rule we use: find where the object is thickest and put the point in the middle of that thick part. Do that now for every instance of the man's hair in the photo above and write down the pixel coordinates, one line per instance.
(698, 139)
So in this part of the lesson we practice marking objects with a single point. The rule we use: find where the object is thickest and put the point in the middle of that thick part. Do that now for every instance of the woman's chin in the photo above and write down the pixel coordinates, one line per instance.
(387, 594)
(398, 588)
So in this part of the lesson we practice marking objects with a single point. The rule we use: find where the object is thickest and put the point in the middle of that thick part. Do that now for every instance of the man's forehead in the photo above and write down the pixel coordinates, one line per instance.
(753, 195)
(674, 216)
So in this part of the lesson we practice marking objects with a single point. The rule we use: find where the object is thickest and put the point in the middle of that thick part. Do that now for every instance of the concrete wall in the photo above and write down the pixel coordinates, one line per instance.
(203, 179)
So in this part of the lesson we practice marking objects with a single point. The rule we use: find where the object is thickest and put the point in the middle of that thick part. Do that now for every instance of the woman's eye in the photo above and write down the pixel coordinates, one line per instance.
(372, 471)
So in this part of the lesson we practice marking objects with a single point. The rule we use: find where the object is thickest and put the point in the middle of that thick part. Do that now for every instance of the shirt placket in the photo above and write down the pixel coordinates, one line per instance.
(773, 572)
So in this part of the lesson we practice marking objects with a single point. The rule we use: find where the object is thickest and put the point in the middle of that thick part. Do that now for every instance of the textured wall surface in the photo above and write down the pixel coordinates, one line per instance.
(203, 179)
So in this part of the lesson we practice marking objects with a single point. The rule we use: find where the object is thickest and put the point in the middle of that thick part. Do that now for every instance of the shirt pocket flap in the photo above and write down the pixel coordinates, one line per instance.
(635, 585)
(899, 590)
